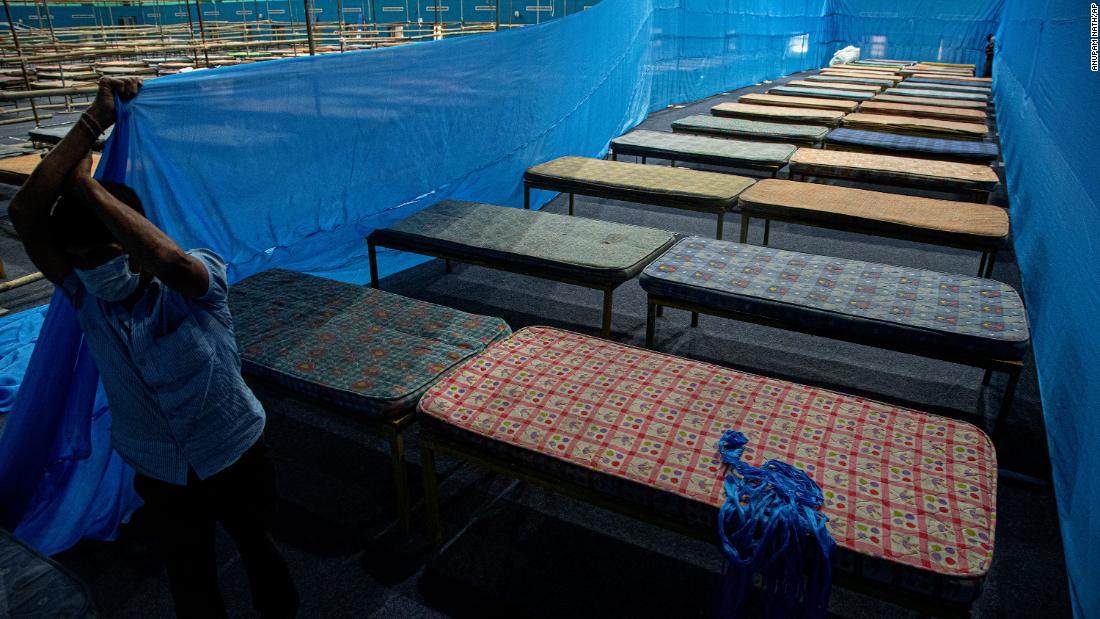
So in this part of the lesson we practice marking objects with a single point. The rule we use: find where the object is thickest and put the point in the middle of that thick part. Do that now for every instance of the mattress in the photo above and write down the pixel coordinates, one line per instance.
(872, 88)
(923, 111)
(668, 186)
(590, 250)
(853, 80)
(970, 105)
(739, 127)
(978, 90)
(878, 140)
(895, 79)
(911, 125)
(957, 78)
(979, 226)
(825, 93)
(357, 348)
(947, 82)
(860, 67)
(33, 585)
(936, 94)
(902, 489)
(888, 169)
(900, 306)
(828, 118)
(808, 102)
(702, 149)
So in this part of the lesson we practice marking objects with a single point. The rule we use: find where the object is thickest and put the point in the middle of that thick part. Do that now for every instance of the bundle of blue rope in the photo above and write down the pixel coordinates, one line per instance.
(779, 554)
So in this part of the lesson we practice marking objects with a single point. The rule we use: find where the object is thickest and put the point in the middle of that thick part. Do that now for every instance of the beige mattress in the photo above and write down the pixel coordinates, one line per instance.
(883, 167)
(910, 125)
(923, 111)
(835, 85)
(828, 118)
(810, 102)
(979, 224)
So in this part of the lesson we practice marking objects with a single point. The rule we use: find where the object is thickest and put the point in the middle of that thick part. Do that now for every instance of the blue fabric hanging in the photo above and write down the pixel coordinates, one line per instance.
(18, 333)
(779, 553)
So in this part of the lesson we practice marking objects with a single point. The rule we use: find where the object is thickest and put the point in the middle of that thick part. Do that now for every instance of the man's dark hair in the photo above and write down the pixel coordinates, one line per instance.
(74, 223)
(989, 37)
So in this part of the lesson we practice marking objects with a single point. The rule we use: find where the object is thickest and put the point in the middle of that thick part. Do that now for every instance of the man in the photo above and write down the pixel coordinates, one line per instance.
(156, 319)
(987, 70)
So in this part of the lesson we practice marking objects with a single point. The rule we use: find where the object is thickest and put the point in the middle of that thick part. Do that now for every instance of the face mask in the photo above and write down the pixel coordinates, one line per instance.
(111, 281)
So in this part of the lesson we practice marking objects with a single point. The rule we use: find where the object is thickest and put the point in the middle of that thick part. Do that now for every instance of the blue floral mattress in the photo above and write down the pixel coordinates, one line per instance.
(879, 140)
(902, 305)
(354, 347)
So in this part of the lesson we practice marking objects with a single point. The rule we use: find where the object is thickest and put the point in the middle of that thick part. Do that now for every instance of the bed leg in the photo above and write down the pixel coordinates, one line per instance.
(400, 477)
(775, 173)
(989, 264)
(745, 227)
(986, 376)
(571, 205)
(981, 264)
(373, 257)
(721, 224)
(694, 319)
(431, 494)
(447, 267)
(605, 330)
(767, 231)
(526, 197)
(660, 311)
(1006, 402)
(672, 163)
(643, 159)
(614, 155)
(650, 322)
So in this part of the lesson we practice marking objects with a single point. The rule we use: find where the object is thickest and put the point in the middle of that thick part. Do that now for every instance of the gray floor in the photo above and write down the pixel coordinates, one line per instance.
(516, 550)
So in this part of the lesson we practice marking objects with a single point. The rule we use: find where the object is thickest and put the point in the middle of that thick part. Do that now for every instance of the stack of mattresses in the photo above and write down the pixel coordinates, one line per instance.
(808, 102)
(937, 101)
(741, 128)
(910, 125)
(774, 113)
(826, 93)
(968, 178)
(702, 149)
(872, 88)
(911, 145)
(923, 111)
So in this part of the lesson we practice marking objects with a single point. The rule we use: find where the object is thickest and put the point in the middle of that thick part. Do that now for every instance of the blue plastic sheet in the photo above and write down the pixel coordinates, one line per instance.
(924, 30)
(18, 334)
(1047, 99)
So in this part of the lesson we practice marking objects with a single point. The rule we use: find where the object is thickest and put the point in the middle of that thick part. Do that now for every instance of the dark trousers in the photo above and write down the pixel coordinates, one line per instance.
(242, 497)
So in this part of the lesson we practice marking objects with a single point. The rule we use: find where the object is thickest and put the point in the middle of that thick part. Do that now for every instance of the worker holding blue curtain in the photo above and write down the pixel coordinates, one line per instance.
(156, 319)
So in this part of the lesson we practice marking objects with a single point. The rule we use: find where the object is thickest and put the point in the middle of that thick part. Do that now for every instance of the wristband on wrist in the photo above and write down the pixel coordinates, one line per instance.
(92, 124)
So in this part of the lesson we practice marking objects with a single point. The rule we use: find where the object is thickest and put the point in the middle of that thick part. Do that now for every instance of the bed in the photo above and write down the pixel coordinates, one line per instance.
(366, 354)
(978, 90)
(911, 125)
(935, 148)
(775, 113)
(965, 225)
(845, 73)
(807, 102)
(679, 188)
(872, 88)
(636, 431)
(956, 318)
(53, 134)
(17, 169)
(972, 181)
(956, 103)
(853, 80)
(859, 67)
(574, 250)
(824, 93)
(955, 78)
(924, 111)
(929, 93)
(34, 585)
(947, 82)
(754, 129)
(690, 148)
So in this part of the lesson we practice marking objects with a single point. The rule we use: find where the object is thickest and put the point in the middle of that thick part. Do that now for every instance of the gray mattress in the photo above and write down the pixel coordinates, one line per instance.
(702, 149)
(743, 128)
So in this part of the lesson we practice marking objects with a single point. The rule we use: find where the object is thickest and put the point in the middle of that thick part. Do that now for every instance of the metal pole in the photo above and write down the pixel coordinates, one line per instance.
(340, 16)
(22, 60)
(309, 29)
(496, 23)
(202, 33)
(191, 31)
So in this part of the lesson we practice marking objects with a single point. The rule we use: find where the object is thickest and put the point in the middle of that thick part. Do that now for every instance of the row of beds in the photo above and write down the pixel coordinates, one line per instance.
(910, 497)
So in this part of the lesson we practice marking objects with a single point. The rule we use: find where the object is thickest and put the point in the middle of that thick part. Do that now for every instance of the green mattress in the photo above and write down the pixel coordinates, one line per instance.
(738, 127)
(702, 149)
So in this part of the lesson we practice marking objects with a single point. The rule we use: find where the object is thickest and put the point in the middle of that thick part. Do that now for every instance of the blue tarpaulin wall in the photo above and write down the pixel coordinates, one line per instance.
(926, 30)
(1047, 100)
